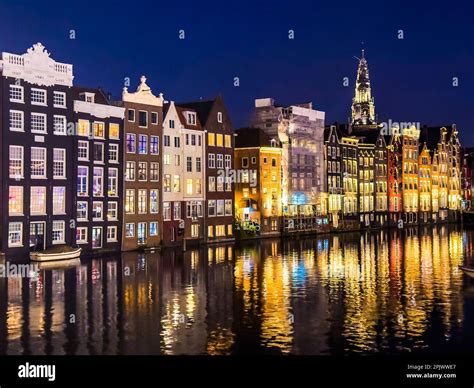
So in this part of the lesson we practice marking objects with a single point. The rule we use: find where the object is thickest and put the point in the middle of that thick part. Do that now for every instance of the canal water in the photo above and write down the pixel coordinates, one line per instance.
(387, 292)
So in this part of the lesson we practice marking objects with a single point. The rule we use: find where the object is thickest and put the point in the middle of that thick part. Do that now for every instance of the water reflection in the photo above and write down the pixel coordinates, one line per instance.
(386, 292)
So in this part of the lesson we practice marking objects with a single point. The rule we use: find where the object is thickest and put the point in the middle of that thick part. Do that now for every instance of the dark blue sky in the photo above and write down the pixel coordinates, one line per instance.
(411, 78)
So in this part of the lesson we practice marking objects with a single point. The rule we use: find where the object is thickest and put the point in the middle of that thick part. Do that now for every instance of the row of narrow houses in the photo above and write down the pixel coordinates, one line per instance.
(142, 172)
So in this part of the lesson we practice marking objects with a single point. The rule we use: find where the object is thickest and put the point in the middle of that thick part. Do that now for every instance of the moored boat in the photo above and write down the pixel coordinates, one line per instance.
(60, 252)
(469, 271)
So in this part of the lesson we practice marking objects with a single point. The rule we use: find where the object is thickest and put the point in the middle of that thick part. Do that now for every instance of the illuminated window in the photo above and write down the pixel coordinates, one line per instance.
(219, 140)
(82, 181)
(166, 211)
(15, 200)
(142, 201)
(98, 128)
(37, 200)
(83, 128)
(228, 207)
(220, 207)
(142, 171)
(98, 182)
(82, 210)
(130, 171)
(211, 208)
(130, 143)
(229, 229)
(154, 201)
(130, 201)
(220, 230)
(38, 162)
(142, 144)
(212, 183)
(167, 183)
(112, 211)
(112, 182)
(16, 162)
(129, 230)
(176, 184)
(113, 153)
(189, 186)
(198, 186)
(211, 139)
(114, 131)
(177, 210)
(227, 141)
(154, 228)
(96, 237)
(154, 173)
(210, 231)
(59, 200)
(154, 144)
(111, 233)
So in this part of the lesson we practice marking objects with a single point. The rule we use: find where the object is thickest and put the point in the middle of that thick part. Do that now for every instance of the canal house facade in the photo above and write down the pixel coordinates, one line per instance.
(37, 181)
(98, 165)
(143, 127)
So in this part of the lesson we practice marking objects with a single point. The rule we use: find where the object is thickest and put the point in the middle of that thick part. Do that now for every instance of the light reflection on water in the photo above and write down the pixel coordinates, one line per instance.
(384, 292)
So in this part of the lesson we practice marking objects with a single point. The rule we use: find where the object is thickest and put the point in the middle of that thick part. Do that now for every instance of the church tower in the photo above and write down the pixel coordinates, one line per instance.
(363, 107)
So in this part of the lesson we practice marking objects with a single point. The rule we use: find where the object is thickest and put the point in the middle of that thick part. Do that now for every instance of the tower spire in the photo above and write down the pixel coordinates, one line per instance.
(363, 107)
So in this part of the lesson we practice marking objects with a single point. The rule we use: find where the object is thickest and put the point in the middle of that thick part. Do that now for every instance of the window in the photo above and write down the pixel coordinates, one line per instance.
(142, 118)
(177, 160)
(177, 211)
(82, 181)
(227, 141)
(142, 200)
(38, 162)
(59, 125)
(114, 131)
(211, 208)
(38, 96)
(198, 186)
(177, 142)
(113, 153)
(99, 131)
(98, 182)
(153, 201)
(220, 230)
(219, 117)
(220, 183)
(220, 207)
(141, 232)
(38, 123)
(166, 159)
(274, 163)
(16, 162)
(111, 234)
(16, 121)
(220, 161)
(198, 164)
(212, 183)
(58, 232)
(59, 163)
(131, 115)
(195, 230)
(191, 118)
(15, 201)
(83, 150)
(59, 99)
(176, 184)
(154, 228)
(81, 235)
(212, 160)
(112, 211)
(245, 162)
(82, 211)
(112, 182)
(16, 93)
(167, 183)
(37, 200)
(130, 201)
(228, 162)
(193, 140)
(154, 173)
(187, 139)
(210, 231)
(166, 211)
(189, 164)
(130, 143)
(142, 171)
(229, 229)
(189, 186)
(96, 237)
(211, 139)
(171, 122)
(83, 128)
(219, 140)
(154, 118)
(59, 200)
(129, 230)
(142, 144)
(166, 140)
(130, 171)
(154, 144)
(228, 207)
(97, 211)
(15, 234)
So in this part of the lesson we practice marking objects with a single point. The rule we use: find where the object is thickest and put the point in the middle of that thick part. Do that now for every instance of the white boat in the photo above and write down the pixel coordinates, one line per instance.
(59, 264)
(61, 252)
(469, 271)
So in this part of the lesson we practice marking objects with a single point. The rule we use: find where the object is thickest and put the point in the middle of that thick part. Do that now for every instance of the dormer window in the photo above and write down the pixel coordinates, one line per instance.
(219, 117)
(191, 118)
(273, 143)
(87, 97)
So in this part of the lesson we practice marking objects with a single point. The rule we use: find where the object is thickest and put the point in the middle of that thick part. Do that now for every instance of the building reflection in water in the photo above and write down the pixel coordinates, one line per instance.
(383, 292)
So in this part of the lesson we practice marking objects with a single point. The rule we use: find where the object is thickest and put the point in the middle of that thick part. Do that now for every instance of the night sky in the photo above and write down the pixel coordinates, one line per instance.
(412, 78)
